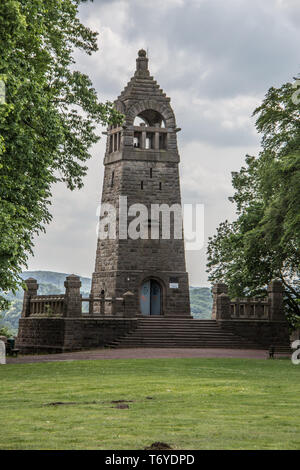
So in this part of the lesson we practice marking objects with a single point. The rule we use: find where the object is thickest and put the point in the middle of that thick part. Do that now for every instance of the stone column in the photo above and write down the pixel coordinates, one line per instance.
(275, 294)
(143, 140)
(167, 140)
(31, 290)
(156, 138)
(91, 305)
(72, 301)
(129, 304)
(156, 141)
(218, 288)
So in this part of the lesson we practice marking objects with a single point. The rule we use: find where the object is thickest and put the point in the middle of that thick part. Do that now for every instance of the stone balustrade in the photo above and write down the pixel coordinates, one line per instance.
(47, 305)
(70, 303)
(249, 308)
(252, 308)
(105, 306)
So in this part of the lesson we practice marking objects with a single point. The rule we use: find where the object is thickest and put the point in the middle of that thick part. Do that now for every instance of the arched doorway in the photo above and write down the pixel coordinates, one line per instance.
(150, 297)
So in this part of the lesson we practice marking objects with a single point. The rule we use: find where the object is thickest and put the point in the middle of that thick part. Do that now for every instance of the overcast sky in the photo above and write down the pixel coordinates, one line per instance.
(216, 59)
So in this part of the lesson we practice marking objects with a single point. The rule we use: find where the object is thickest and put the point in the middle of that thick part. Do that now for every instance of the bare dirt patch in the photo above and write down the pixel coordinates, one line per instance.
(66, 403)
(121, 401)
(159, 446)
(121, 406)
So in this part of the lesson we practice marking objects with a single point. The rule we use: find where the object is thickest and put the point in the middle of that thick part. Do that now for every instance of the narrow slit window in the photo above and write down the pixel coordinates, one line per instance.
(150, 172)
(112, 179)
(142, 184)
(160, 186)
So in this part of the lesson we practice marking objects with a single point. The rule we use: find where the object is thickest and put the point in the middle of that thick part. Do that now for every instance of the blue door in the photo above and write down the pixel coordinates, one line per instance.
(150, 298)
(145, 298)
(155, 298)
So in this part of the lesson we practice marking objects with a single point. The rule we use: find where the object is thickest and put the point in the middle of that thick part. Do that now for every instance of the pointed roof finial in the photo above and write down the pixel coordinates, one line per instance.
(142, 64)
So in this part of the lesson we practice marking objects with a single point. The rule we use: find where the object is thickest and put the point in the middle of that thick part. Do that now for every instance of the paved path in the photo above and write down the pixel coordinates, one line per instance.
(140, 353)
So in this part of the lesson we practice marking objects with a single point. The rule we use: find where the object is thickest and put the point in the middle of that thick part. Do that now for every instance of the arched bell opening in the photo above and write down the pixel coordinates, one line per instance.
(151, 297)
(150, 118)
(150, 131)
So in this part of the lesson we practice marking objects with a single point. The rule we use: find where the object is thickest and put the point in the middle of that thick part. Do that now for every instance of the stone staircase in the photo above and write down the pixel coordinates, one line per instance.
(181, 332)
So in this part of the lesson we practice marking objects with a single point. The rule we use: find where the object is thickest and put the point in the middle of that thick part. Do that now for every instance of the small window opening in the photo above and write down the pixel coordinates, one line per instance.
(142, 184)
(150, 172)
(160, 186)
(112, 179)
(149, 140)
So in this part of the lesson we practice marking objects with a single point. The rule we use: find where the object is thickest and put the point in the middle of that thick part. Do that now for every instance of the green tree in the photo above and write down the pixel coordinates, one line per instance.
(47, 120)
(263, 242)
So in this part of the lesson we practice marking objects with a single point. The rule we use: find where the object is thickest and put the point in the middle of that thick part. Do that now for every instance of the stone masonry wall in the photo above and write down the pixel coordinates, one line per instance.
(50, 335)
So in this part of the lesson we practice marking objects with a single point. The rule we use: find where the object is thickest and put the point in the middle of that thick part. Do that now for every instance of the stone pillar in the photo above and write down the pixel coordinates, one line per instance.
(72, 301)
(218, 288)
(295, 335)
(275, 294)
(113, 305)
(129, 304)
(2, 352)
(156, 141)
(30, 290)
(223, 307)
(91, 305)
(167, 140)
(143, 140)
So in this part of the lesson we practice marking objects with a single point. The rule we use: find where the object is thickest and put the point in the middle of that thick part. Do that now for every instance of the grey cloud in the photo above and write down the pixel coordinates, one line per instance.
(244, 45)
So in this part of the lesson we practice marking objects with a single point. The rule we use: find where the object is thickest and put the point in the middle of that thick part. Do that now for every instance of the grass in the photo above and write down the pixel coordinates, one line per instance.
(196, 404)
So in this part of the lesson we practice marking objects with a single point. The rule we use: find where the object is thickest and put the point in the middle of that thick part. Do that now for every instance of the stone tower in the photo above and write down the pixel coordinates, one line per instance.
(141, 163)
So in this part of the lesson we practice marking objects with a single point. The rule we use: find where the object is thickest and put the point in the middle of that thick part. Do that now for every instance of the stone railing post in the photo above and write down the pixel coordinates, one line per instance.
(31, 289)
(2, 351)
(72, 301)
(223, 307)
(91, 304)
(218, 288)
(275, 294)
(129, 304)
(113, 306)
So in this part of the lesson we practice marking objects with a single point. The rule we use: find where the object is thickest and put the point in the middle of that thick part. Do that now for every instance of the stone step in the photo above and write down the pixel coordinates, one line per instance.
(182, 332)
(185, 346)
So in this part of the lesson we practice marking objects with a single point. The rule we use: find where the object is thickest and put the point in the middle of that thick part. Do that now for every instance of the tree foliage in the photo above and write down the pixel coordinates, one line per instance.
(263, 242)
(47, 120)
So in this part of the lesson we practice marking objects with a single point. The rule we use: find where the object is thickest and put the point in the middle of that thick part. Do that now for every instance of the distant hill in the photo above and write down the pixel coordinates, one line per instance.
(56, 279)
(53, 283)
(201, 302)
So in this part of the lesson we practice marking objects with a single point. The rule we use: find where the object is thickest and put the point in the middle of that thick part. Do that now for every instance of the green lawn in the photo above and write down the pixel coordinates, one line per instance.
(196, 404)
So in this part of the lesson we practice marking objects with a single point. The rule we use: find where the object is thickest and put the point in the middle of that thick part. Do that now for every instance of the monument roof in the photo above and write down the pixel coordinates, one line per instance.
(142, 85)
